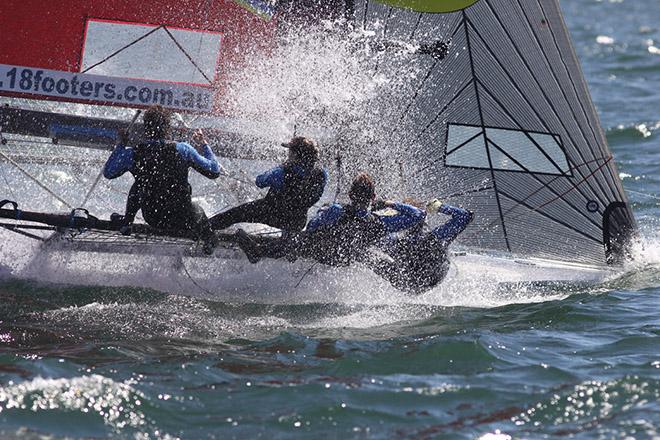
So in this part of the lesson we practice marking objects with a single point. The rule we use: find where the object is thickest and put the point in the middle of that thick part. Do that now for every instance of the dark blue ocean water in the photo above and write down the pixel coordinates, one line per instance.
(132, 363)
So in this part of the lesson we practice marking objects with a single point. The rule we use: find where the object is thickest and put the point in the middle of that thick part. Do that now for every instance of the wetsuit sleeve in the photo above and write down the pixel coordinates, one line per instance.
(120, 161)
(326, 216)
(206, 165)
(460, 219)
(273, 178)
(407, 216)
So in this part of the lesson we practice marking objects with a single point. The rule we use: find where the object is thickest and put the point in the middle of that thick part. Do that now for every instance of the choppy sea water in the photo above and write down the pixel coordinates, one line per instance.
(82, 362)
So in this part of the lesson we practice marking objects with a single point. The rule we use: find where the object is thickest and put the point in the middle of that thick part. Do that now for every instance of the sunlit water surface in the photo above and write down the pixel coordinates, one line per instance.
(83, 362)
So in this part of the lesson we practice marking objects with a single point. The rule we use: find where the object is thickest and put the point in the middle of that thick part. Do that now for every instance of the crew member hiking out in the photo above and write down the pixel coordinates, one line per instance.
(417, 260)
(338, 234)
(160, 168)
(294, 187)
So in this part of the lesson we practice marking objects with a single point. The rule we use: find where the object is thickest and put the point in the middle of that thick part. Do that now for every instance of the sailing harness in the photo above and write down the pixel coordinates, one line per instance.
(161, 177)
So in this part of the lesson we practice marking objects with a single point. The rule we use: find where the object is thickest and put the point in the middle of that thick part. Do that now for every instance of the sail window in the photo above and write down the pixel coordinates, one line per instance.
(149, 52)
(510, 150)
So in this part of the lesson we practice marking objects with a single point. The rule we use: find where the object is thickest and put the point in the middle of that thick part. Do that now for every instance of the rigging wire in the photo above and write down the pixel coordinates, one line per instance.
(98, 178)
(35, 180)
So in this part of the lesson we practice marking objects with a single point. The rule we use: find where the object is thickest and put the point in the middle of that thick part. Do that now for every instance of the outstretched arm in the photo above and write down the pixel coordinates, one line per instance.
(460, 219)
(120, 161)
(273, 178)
(206, 165)
(406, 217)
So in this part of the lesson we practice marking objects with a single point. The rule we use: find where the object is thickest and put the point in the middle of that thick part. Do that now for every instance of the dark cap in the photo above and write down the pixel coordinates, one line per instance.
(305, 148)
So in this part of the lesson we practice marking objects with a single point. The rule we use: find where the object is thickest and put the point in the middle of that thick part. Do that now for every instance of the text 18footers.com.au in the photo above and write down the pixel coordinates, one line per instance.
(103, 89)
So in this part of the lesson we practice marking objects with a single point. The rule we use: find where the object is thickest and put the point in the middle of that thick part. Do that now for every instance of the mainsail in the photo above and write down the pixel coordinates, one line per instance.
(508, 107)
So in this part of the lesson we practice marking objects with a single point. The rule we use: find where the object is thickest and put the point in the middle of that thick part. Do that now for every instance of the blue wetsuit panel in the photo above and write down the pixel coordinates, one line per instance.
(460, 218)
(273, 178)
(406, 217)
(206, 165)
(326, 216)
(121, 161)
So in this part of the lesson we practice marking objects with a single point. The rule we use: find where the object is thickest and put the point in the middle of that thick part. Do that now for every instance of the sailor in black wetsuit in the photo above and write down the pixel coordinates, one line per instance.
(416, 260)
(161, 187)
(339, 234)
(294, 187)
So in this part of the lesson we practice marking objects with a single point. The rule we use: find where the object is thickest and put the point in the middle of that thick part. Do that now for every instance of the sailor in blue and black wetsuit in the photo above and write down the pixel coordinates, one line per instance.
(161, 187)
(338, 234)
(294, 187)
(416, 260)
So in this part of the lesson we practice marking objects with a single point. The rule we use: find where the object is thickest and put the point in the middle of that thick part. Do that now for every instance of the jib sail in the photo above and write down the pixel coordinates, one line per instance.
(507, 106)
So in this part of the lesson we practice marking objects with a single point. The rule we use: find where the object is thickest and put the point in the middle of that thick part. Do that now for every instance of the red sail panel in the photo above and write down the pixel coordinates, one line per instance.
(72, 35)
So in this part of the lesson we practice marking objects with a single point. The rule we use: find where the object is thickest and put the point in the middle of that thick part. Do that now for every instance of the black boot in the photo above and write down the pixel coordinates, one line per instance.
(248, 246)
(210, 243)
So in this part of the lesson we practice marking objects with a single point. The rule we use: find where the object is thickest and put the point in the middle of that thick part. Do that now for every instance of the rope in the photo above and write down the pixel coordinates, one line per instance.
(18, 231)
(192, 280)
(339, 173)
(98, 178)
(123, 48)
(37, 181)
(305, 274)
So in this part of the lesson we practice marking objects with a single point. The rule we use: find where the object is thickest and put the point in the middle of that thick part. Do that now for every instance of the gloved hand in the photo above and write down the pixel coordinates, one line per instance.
(433, 206)
(379, 205)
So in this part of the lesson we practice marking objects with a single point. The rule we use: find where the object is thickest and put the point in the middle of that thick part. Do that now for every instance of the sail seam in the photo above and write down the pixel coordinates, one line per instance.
(463, 144)
(559, 196)
(531, 209)
(526, 132)
(556, 193)
(545, 96)
(509, 210)
(446, 106)
(419, 20)
(514, 85)
(563, 92)
(483, 127)
(183, 50)
(602, 141)
(419, 88)
(364, 17)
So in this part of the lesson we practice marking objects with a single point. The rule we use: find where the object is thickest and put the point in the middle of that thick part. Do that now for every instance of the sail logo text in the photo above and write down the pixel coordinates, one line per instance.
(98, 89)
